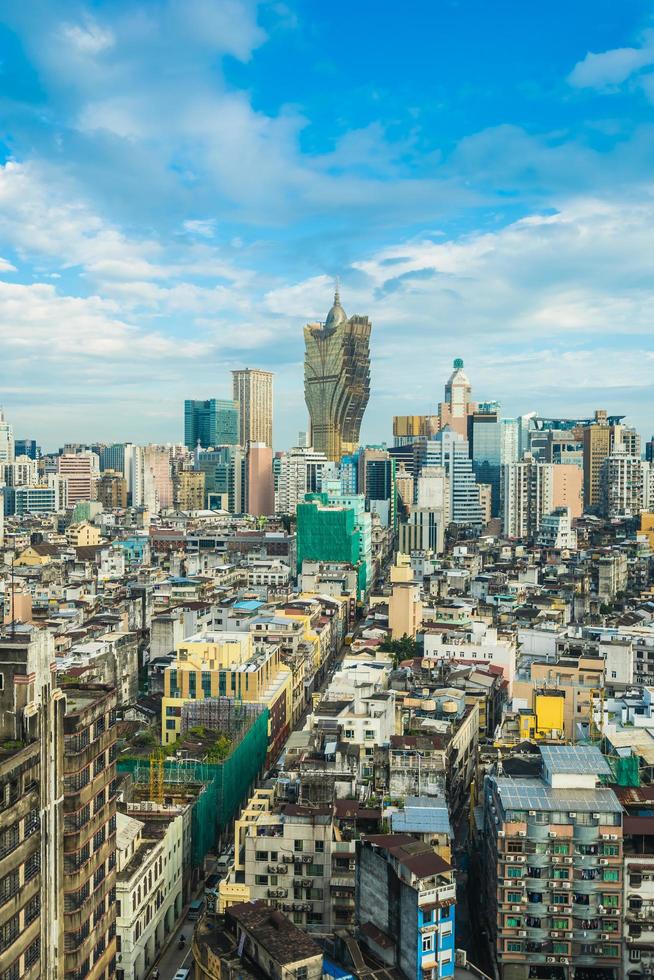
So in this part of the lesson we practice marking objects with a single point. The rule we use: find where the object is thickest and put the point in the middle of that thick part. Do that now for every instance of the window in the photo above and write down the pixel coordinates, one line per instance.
(320, 846)
(611, 874)
(349, 733)
(560, 949)
(513, 897)
(561, 873)
(560, 849)
(261, 879)
(559, 924)
(612, 850)
(32, 909)
(8, 886)
(513, 922)
(610, 901)
(611, 951)
(428, 943)
(301, 973)
(261, 855)
(512, 947)
(369, 736)
(514, 872)
(9, 933)
(33, 952)
(298, 845)
(559, 898)
(170, 724)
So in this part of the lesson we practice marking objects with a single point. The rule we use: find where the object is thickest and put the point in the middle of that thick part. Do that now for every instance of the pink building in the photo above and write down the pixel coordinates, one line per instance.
(260, 486)
(568, 488)
(80, 470)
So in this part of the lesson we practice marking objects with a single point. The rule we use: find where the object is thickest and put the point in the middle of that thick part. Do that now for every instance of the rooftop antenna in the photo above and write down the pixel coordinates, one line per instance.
(337, 292)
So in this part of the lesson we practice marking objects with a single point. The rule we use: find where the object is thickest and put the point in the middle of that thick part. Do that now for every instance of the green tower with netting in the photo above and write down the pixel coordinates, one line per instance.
(327, 532)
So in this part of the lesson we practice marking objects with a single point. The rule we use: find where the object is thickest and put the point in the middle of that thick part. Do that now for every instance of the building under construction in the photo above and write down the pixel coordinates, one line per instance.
(217, 759)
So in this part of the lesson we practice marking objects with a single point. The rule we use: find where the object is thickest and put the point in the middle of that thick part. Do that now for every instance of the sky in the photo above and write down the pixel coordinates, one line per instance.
(181, 181)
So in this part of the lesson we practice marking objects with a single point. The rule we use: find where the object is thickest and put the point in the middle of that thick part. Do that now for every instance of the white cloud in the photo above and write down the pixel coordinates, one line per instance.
(609, 69)
(90, 38)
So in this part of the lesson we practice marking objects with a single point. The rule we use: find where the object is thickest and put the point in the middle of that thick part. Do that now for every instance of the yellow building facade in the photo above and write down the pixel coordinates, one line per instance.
(228, 665)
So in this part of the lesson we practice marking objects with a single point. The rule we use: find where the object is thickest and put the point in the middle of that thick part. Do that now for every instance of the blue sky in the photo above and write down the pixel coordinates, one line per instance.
(181, 181)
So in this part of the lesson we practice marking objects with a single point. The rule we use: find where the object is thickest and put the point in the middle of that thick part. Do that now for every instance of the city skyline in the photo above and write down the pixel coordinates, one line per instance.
(163, 229)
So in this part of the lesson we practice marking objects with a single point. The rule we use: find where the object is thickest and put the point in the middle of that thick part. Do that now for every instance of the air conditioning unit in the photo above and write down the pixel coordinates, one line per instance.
(515, 908)
(603, 862)
(510, 858)
(567, 860)
(554, 935)
(552, 833)
(532, 813)
(572, 814)
(563, 959)
(550, 959)
(521, 859)
(522, 833)
(567, 885)
(501, 833)
(613, 836)
(605, 836)
(522, 933)
(552, 908)
(596, 816)
(556, 860)
(605, 935)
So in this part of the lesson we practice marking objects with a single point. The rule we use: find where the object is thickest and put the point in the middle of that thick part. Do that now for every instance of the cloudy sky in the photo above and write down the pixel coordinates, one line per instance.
(182, 180)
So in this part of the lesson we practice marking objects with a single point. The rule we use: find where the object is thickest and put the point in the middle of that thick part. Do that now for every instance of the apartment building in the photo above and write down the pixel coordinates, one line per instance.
(405, 905)
(553, 868)
(31, 720)
(579, 677)
(89, 858)
(149, 884)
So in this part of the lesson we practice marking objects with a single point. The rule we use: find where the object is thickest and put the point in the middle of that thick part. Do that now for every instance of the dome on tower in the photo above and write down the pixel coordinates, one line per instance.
(337, 314)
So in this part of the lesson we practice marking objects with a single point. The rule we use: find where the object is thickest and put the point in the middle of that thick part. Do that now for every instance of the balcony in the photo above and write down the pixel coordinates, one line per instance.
(434, 896)
(537, 831)
(584, 834)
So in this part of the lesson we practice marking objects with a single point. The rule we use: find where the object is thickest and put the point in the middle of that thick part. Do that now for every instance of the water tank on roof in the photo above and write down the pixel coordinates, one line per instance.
(450, 707)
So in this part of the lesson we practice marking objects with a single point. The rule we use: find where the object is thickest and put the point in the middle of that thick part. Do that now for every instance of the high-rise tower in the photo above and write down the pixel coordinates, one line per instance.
(337, 379)
(253, 390)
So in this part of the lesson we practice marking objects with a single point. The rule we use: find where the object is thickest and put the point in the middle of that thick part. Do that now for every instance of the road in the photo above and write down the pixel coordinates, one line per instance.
(174, 959)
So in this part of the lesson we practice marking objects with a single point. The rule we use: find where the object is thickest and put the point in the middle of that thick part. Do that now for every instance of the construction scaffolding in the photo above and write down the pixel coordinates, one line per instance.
(216, 790)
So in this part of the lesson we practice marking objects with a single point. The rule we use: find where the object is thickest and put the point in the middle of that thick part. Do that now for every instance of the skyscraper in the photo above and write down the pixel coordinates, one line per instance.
(7, 450)
(253, 390)
(337, 379)
(456, 408)
(214, 422)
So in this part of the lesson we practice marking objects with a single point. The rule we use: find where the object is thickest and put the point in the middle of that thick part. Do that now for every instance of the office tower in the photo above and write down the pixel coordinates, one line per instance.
(623, 485)
(260, 500)
(448, 449)
(112, 490)
(211, 423)
(552, 868)
(564, 446)
(301, 471)
(408, 428)
(189, 490)
(456, 408)
(113, 458)
(337, 379)
(649, 450)
(376, 481)
(31, 814)
(81, 471)
(47, 497)
(27, 447)
(349, 470)
(494, 441)
(7, 449)
(224, 474)
(253, 391)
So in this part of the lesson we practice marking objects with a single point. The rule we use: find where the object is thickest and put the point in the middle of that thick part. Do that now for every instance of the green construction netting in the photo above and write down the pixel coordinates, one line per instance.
(225, 788)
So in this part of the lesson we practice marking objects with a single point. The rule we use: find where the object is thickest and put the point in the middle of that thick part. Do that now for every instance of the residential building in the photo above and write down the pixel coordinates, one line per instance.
(7, 445)
(337, 379)
(301, 471)
(149, 883)
(622, 485)
(31, 813)
(272, 942)
(188, 490)
(89, 858)
(253, 391)
(328, 532)
(260, 493)
(531, 489)
(81, 471)
(217, 664)
(599, 439)
(579, 676)
(112, 490)
(404, 604)
(405, 905)
(551, 858)
(82, 535)
(210, 423)
(556, 530)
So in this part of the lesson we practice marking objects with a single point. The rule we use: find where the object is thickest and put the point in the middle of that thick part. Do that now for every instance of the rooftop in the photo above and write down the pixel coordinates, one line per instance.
(271, 929)
(534, 794)
(575, 759)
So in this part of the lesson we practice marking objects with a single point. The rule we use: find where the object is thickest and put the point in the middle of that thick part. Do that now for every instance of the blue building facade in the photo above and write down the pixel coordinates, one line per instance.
(213, 422)
(406, 905)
